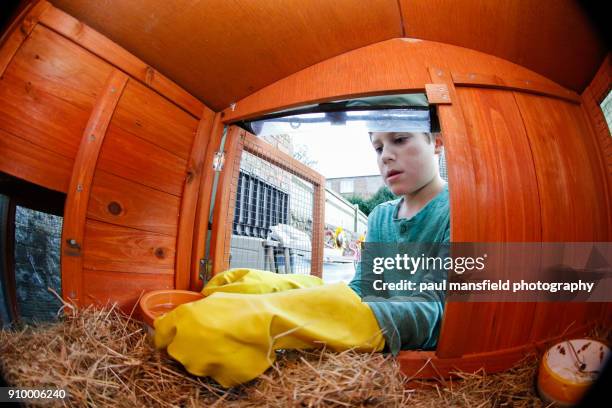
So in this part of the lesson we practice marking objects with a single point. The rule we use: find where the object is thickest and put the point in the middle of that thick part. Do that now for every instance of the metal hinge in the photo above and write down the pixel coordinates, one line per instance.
(205, 270)
(218, 161)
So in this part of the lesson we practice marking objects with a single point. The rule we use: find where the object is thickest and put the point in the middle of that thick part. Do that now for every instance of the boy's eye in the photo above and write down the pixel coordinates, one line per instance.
(378, 149)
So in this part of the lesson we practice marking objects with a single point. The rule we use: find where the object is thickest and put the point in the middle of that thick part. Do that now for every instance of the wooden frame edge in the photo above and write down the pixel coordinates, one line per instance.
(77, 198)
(514, 84)
(195, 172)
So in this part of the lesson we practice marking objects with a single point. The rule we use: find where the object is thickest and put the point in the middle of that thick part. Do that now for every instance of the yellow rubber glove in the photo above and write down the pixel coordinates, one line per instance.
(242, 280)
(231, 336)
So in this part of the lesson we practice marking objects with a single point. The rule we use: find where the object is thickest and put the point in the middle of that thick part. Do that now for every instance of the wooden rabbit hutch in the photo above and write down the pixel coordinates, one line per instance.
(90, 106)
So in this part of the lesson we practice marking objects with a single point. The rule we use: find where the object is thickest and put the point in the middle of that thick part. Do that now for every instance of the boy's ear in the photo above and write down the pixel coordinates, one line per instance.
(438, 143)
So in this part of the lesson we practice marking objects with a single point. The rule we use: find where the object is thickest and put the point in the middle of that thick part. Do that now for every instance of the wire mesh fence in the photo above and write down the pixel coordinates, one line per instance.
(272, 209)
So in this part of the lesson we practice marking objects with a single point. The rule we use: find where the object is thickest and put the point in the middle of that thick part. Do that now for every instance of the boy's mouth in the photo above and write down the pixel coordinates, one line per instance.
(391, 173)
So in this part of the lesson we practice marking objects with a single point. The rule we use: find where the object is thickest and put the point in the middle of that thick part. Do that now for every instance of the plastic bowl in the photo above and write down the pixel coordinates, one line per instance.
(158, 302)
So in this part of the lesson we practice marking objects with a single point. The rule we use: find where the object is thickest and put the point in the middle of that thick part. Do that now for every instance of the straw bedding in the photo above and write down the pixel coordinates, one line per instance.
(103, 357)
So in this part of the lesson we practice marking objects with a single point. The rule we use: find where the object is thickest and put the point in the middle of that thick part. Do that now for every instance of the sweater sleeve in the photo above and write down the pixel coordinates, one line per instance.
(413, 322)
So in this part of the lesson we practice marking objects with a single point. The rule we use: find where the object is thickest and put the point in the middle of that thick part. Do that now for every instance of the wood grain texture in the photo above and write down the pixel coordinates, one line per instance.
(318, 228)
(125, 288)
(397, 65)
(119, 201)
(533, 34)
(204, 205)
(569, 180)
(110, 247)
(462, 193)
(428, 365)
(237, 47)
(196, 170)
(49, 90)
(507, 205)
(104, 48)
(145, 114)
(136, 159)
(79, 189)
(28, 161)
(494, 81)
(19, 30)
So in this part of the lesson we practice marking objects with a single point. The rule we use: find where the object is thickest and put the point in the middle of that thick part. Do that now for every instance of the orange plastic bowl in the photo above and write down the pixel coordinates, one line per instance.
(158, 302)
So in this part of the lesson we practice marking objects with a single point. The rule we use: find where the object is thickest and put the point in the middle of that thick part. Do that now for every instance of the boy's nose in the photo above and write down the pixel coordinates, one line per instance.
(387, 154)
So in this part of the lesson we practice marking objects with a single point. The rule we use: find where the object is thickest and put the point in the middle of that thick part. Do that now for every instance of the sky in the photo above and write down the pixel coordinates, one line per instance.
(340, 151)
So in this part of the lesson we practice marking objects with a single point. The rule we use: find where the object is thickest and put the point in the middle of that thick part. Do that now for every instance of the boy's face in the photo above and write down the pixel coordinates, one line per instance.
(406, 161)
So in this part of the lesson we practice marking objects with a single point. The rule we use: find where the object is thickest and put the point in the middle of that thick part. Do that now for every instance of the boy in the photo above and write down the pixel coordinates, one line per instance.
(408, 162)
(246, 314)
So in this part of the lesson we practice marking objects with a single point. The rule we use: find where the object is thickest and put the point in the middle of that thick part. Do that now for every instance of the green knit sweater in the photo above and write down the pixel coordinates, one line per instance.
(409, 320)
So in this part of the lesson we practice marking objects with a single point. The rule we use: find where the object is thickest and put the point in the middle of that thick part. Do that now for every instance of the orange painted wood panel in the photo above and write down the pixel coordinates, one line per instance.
(125, 288)
(77, 199)
(572, 200)
(18, 32)
(507, 201)
(385, 67)
(33, 163)
(133, 158)
(428, 365)
(240, 46)
(462, 194)
(573, 204)
(493, 81)
(48, 91)
(56, 65)
(41, 118)
(119, 201)
(196, 170)
(146, 114)
(110, 247)
(96, 43)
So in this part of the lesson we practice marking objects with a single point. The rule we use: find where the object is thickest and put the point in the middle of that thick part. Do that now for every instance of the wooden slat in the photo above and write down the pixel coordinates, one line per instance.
(54, 64)
(125, 288)
(119, 201)
(462, 191)
(523, 85)
(318, 228)
(18, 32)
(564, 151)
(80, 185)
(113, 248)
(203, 206)
(195, 171)
(144, 113)
(133, 158)
(280, 159)
(96, 43)
(36, 164)
(398, 65)
(223, 213)
(428, 364)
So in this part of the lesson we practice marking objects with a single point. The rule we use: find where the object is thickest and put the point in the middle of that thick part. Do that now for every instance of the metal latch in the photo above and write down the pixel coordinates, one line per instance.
(218, 161)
